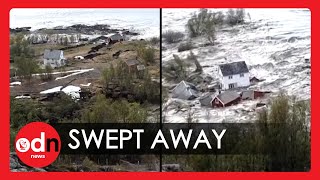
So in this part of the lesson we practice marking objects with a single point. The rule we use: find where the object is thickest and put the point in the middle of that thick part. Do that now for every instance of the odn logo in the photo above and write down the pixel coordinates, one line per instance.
(37, 144)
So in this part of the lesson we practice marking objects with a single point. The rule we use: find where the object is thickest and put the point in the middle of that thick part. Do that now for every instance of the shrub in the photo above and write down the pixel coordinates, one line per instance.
(172, 36)
(108, 74)
(154, 40)
(210, 32)
(204, 23)
(106, 111)
(61, 107)
(89, 165)
(117, 73)
(175, 70)
(185, 46)
(148, 90)
(23, 112)
(24, 56)
(196, 22)
(99, 111)
(125, 112)
(193, 58)
(291, 134)
(235, 17)
(13, 134)
(148, 55)
(46, 74)
(142, 89)
(282, 130)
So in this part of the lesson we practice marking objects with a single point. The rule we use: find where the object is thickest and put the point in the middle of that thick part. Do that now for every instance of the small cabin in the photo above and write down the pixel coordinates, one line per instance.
(226, 98)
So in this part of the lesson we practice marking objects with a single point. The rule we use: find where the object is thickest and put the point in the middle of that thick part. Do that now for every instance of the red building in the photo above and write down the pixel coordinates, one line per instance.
(227, 98)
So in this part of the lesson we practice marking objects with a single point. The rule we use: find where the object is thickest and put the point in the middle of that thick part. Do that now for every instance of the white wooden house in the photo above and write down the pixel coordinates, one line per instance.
(234, 75)
(53, 58)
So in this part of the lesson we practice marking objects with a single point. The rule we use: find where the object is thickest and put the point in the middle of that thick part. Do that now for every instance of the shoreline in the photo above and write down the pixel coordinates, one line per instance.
(76, 28)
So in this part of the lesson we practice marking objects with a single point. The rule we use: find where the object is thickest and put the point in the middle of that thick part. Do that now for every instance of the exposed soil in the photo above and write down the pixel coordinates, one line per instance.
(99, 60)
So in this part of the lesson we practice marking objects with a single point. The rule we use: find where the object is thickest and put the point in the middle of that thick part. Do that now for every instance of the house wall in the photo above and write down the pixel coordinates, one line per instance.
(216, 103)
(178, 89)
(258, 94)
(54, 63)
(241, 81)
(61, 55)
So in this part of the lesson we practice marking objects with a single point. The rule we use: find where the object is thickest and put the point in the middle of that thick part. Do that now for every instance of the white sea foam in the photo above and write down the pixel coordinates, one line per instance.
(144, 21)
(274, 44)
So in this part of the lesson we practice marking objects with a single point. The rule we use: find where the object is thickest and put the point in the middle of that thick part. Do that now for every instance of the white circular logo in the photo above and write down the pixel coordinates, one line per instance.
(22, 145)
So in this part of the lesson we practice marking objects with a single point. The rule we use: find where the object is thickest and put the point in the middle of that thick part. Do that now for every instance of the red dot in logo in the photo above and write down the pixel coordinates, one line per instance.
(37, 144)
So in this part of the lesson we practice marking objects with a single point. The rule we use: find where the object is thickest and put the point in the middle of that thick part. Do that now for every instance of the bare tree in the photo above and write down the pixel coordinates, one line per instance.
(192, 57)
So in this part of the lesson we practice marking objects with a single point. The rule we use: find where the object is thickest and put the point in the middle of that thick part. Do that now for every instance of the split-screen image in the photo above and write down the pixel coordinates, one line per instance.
(246, 70)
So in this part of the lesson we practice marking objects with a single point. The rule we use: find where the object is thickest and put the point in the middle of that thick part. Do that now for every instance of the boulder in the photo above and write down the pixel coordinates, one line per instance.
(38, 170)
(19, 170)
(171, 167)
(14, 163)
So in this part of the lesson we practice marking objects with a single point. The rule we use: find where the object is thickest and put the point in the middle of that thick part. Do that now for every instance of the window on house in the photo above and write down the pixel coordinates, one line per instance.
(241, 75)
(231, 86)
(230, 77)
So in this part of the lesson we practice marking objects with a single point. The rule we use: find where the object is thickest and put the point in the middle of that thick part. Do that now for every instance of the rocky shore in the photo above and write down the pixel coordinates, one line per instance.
(75, 29)
(17, 166)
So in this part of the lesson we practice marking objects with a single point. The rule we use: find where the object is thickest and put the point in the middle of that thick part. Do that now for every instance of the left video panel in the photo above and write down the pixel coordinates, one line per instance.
(82, 66)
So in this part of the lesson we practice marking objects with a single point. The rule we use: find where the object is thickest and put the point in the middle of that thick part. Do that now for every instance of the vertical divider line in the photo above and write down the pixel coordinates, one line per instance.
(160, 44)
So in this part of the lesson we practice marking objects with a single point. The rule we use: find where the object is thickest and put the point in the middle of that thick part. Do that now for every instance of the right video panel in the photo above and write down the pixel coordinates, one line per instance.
(244, 69)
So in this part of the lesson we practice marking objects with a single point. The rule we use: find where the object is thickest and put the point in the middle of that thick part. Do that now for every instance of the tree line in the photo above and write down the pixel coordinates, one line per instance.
(204, 23)
(283, 137)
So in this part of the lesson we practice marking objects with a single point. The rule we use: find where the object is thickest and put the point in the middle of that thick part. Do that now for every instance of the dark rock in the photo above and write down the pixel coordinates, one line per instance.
(20, 29)
(260, 104)
(301, 68)
(71, 47)
(19, 170)
(207, 79)
(117, 54)
(307, 60)
(171, 167)
(306, 67)
(106, 169)
(91, 56)
(97, 48)
(292, 39)
(38, 170)
(14, 164)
